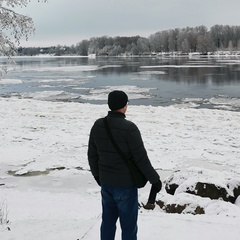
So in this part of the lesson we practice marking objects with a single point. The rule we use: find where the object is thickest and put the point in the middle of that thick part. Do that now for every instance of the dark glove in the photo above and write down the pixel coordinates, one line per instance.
(152, 196)
(157, 186)
(97, 180)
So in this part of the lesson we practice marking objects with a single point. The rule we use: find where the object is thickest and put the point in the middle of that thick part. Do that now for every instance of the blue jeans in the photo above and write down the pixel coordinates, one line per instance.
(122, 203)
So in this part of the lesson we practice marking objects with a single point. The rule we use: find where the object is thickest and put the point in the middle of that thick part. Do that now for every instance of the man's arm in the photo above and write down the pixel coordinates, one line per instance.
(140, 155)
(93, 155)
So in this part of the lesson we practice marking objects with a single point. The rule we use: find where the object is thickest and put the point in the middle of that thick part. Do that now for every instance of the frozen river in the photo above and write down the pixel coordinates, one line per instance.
(186, 82)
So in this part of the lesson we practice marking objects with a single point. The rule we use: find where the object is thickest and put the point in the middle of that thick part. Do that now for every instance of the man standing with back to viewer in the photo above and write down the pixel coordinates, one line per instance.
(118, 190)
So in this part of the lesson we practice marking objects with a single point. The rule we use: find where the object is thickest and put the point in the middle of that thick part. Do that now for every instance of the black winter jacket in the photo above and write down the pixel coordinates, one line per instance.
(106, 163)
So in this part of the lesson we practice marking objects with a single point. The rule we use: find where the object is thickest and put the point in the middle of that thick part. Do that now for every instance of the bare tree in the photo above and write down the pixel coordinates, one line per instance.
(13, 26)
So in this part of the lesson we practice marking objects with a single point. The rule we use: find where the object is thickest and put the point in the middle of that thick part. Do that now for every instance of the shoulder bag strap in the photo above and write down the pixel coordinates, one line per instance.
(113, 141)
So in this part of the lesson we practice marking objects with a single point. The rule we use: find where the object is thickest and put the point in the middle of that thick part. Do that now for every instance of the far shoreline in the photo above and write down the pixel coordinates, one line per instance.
(217, 54)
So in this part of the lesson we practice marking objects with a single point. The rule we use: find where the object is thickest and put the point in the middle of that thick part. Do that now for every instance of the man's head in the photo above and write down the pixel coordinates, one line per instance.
(117, 100)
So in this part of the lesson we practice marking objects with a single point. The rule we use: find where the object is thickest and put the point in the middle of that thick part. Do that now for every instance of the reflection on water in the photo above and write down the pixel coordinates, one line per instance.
(149, 81)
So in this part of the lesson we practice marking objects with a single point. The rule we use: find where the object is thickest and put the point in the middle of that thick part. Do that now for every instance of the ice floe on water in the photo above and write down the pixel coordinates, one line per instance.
(152, 72)
(188, 102)
(89, 94)
(217, 102)
(51, 96)
(77, 68)
(109, 66)
(144, 75)
(52, 80)
(10, 81)
(228, 61)
(134, 92)
(225, 101)
(181, 66)
(62, 69)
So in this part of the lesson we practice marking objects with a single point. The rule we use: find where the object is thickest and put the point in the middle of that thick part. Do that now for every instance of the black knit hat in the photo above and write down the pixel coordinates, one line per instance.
(117, 100)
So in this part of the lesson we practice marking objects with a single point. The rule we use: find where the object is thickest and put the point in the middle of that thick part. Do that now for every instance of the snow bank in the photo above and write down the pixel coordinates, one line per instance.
(39, 136)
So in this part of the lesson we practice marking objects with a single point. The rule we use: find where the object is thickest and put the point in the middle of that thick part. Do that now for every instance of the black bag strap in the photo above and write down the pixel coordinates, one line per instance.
(124, 157)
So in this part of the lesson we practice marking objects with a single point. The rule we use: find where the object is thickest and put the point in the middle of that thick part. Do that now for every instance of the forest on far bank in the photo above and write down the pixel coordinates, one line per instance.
(182, 40)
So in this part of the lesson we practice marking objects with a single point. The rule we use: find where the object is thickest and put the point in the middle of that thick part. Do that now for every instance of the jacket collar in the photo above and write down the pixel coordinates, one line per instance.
(116, 114)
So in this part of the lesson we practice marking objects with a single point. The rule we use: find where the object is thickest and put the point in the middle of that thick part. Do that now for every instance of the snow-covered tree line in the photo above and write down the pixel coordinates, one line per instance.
(185, 40)
(194, 39)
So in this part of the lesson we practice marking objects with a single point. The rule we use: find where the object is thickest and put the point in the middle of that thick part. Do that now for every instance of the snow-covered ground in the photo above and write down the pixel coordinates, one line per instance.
(53, 195)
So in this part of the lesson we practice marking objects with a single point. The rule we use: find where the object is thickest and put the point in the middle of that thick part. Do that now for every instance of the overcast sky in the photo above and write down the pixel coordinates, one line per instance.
(68, 22)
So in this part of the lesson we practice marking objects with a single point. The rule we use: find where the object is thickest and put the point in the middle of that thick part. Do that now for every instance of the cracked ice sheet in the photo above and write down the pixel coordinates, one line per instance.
(45, 135)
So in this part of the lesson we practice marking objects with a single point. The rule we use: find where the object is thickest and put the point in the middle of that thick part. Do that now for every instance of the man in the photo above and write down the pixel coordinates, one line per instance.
(118, 190)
